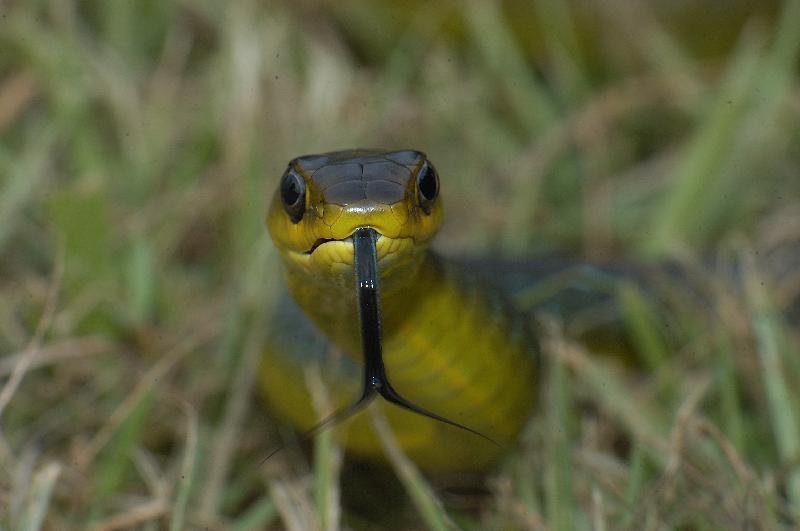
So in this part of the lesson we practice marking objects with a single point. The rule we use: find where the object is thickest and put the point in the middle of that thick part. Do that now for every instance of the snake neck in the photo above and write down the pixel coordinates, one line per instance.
(449, 344)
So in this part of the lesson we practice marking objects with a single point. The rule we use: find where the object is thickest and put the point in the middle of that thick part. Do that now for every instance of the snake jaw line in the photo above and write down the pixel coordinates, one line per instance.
(320, 241)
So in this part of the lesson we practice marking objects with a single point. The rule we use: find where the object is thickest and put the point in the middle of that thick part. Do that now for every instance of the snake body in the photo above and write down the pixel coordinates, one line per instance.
(450, 344)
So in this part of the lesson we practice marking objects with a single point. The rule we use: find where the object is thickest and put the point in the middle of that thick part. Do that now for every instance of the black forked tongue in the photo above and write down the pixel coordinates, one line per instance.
(375, 382)
(375, 378)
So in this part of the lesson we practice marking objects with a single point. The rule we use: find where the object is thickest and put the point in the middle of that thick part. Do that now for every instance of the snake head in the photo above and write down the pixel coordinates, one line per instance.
(323, 199)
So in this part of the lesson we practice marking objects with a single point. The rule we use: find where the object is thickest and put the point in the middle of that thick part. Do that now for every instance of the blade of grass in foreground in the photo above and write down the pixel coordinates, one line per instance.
(560, 502)
(783, 404)
(41, 490)
(259, 516)
(637, 477)
(327, 457)
(187, 472)
(142, 281)
(422, 496)
(648, 424)
(728, 388)
(258, 295)
(110, 450)
(326, 475)
(293, 503)
(24, 173)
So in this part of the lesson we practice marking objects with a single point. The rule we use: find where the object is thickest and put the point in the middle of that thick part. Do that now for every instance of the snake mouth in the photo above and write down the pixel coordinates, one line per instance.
(321, 241)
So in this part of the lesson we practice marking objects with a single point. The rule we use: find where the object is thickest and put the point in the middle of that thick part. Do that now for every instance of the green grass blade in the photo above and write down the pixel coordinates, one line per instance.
(642, 323)
(783, 402)
(557, 24)
(422, 496)
(23, 174)
(325, 481)
(681, 215)
(530, 98)
(561, 505)
(142, 281)
(780, 68)
(115, 461)
(187, 474)
(637, 476)
(648, 423)
(730, 404)
(259, 516)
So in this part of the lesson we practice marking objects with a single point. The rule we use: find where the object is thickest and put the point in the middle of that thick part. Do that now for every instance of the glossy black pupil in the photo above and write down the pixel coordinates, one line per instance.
(291, 190)
(427, 184)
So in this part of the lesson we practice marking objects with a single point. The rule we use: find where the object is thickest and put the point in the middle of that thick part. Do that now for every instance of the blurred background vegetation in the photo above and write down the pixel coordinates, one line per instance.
(140, 141)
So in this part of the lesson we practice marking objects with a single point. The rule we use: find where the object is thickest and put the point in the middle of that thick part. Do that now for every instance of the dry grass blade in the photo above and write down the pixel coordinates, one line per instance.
(294, 504)
(639, 418)
(742, 471)
(146, 383)
(680, 431)
(32, 350)
(229, 430)
(598, 514)
(57, 352)
(41, 490)
(15, 95)
(137, 516)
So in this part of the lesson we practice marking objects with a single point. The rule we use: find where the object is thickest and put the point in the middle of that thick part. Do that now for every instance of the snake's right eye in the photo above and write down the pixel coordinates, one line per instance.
(427, 187)
(293, 195)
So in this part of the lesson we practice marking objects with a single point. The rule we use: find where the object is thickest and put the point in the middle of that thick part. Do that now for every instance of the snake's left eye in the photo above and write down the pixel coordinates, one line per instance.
(293, 195)
(427, 187)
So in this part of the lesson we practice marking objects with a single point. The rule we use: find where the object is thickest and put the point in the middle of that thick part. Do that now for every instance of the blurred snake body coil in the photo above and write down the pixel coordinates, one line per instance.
(449, 344)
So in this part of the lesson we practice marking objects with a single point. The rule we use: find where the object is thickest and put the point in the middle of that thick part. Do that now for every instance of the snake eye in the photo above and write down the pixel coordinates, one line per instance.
(293, 195)
(427, 187)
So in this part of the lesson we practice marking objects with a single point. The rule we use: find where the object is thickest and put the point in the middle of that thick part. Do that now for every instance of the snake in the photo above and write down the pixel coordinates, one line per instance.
(380, 314)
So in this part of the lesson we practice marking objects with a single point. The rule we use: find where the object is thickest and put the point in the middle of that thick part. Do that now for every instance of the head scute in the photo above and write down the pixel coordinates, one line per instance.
(327, 197)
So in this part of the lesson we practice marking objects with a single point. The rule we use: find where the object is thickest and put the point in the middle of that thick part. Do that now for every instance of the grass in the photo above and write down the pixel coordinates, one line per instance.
(139, 143)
